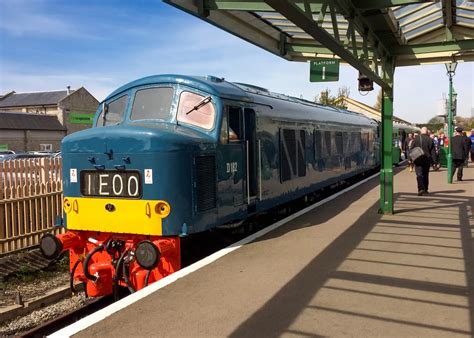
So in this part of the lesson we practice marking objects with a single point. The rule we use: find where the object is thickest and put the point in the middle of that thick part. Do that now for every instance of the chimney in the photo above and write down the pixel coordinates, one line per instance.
(68, 90)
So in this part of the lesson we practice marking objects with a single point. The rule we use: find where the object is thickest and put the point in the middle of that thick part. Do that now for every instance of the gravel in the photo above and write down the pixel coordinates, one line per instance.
(38, 317)
(31, 287)
(31, 282)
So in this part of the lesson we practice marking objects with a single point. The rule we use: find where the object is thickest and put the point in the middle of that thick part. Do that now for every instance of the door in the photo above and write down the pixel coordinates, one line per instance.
(251, 157)
(231, 161)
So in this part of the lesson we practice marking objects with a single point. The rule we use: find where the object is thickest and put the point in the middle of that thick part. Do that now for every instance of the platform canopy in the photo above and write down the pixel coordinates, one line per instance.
(374, 36)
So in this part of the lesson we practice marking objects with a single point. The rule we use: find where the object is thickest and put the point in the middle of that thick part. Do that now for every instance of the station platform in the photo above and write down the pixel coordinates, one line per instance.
(341, 269)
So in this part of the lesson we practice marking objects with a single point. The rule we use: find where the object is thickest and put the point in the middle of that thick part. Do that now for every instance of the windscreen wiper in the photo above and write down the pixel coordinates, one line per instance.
(105, 110)
(201, 103)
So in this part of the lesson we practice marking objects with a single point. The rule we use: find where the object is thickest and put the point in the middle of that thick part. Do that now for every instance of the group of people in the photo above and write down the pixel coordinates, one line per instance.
(462, 148)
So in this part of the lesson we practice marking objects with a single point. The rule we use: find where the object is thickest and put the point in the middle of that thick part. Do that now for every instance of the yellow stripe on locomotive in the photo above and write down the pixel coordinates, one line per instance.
(116, 215)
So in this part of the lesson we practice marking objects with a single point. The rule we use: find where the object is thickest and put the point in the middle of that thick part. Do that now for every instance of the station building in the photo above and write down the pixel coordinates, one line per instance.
(23, 132)
(359, 107)
(39, 120)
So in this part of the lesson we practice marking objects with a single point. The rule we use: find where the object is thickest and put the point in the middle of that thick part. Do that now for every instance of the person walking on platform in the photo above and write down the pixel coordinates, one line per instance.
(442, 140)
(472, 145)
(406, 148)
(423, 163)
(459, 151)
(468, 149)
(436, 164)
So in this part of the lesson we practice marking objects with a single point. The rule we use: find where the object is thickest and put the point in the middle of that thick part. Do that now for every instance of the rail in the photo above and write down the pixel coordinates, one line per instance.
(30, 201)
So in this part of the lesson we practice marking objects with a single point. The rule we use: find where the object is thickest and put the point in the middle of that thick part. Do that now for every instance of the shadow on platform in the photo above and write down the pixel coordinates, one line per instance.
(409, 273)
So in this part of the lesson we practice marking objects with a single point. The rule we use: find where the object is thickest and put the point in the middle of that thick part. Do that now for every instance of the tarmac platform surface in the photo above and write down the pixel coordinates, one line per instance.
(341, 269)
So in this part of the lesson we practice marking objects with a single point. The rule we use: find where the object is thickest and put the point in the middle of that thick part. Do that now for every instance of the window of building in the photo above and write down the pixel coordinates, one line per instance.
(46, 147)
(196, 110)
(152, 104)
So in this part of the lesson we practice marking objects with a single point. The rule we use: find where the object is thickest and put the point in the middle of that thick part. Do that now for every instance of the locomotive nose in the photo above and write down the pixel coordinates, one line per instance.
(121, 140)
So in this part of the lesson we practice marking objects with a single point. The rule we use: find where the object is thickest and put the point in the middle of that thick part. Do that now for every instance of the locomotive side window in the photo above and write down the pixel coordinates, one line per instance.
(224, 130)
(317, 145)
(328, 141)
(196, 110)
(231, 126)
(357, 143)
(235, 126)
(115, 112)
(152, 103)
(348, 142)
(301, 147)
(292, 154)
(339, 143)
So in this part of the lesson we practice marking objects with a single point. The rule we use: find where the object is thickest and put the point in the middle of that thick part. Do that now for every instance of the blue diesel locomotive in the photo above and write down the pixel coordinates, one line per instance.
(173, 155)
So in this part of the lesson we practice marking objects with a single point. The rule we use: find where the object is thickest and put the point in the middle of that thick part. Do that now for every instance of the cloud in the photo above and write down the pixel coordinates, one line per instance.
(97, 84)
(101, 45)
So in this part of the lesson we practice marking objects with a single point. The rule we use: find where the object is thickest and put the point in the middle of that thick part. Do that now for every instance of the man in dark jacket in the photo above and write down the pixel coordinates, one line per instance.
(472, 145)
(459, 151)
(423, 163)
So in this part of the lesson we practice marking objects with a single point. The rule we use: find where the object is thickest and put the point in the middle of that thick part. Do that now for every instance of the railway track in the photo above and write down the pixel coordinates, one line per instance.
(68, 318)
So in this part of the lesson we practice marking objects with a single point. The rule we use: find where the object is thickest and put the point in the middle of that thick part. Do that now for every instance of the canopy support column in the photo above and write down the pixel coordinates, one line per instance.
(386, 171)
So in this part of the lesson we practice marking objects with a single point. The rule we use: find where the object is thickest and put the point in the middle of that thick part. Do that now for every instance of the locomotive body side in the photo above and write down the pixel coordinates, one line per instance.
(298, 148)
(173, 155)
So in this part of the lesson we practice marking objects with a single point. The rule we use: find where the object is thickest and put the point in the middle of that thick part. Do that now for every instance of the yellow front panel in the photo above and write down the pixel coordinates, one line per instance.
(116, 215)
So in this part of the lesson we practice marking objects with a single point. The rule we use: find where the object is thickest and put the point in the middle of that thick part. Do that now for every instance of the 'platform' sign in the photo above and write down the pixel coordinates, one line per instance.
(324, 70)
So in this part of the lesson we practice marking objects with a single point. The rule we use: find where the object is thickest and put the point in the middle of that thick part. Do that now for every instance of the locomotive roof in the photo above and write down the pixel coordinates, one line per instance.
(282, 106)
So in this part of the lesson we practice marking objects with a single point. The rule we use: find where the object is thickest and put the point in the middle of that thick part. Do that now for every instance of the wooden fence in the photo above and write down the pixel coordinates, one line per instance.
(30, 201)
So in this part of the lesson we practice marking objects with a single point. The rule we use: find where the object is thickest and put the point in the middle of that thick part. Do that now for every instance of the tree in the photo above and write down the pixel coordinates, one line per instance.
(435, 124)
(343, 91)
(436, 119)
(327, 99)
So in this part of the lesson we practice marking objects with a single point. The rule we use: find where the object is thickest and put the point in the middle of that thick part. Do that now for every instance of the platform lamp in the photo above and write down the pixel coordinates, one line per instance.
(450, 71)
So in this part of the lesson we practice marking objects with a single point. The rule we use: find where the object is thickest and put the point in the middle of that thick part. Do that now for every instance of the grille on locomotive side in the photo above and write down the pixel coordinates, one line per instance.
(205, 182)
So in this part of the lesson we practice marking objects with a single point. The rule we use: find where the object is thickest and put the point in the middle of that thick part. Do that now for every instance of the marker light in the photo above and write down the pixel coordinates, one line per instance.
(67, 205)
(162, 209)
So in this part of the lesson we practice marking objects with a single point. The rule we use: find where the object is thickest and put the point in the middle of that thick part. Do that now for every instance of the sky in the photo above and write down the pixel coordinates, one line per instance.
(101, 45)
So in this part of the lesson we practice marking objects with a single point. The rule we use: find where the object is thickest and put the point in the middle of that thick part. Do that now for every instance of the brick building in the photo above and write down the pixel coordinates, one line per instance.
(74, 109)
(23, 132)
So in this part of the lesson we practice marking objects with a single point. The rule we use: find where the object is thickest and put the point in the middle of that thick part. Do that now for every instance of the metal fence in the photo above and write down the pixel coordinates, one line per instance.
(30, 200)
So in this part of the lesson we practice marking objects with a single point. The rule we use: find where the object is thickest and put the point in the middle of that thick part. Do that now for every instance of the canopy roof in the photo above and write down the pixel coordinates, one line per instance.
(374, 36)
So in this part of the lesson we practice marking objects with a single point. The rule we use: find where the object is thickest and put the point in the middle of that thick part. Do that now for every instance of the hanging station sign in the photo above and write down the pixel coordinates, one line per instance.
(324, 70)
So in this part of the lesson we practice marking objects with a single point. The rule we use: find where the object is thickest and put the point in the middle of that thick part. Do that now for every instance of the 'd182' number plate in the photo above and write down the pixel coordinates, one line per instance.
(111, 183)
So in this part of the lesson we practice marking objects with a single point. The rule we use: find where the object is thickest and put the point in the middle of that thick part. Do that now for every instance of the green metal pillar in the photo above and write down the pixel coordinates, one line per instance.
(386, 171)
(450, 70)
(450, 130)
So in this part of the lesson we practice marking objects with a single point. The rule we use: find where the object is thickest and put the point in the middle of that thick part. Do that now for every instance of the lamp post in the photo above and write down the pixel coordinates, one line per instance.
(450, 71)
